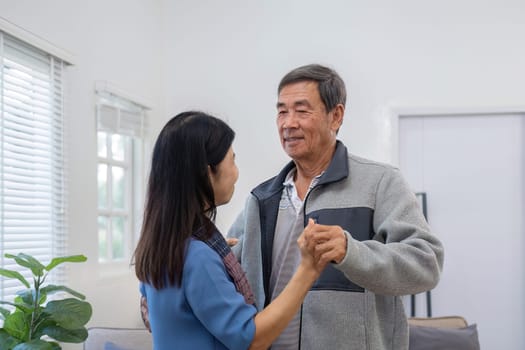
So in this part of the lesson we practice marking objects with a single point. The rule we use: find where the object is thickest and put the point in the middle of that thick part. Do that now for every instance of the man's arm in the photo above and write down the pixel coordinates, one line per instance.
(235, 235)
(403, 258)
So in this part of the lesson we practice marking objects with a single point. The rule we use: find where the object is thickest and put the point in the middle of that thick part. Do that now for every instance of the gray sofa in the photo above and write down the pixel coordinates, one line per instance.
(106, 338)
(442, 333)
(451, 333)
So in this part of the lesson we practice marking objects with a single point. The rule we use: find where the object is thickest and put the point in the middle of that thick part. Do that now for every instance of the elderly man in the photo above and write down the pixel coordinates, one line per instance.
(368, 226)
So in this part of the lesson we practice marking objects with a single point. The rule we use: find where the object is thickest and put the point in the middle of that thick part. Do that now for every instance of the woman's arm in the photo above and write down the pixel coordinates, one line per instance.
(270, 322)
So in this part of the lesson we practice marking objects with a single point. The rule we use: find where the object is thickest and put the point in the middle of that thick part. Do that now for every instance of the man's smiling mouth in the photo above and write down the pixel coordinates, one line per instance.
(291, 139)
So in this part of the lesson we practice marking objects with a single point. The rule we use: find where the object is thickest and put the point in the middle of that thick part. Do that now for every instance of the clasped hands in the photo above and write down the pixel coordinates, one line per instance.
(324, 243)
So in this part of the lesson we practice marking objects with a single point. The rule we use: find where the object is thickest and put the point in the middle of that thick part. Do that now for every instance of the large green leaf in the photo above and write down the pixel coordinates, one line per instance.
(19, 306)
(69, 313)
(63, 259)
(4, 313)
(66, 335)
(37, 344)
(7, 341)
(16, 325)
(42, 322)
(55, 345)
(28, 261)
(19, 301)
(51, 288)
(14, 274)
(27, 297)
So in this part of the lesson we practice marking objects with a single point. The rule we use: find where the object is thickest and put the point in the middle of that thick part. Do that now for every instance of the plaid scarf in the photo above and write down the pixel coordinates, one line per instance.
(234, 269)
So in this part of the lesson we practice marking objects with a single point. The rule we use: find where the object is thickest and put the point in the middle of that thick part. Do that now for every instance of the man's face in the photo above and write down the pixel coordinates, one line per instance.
(306, 129)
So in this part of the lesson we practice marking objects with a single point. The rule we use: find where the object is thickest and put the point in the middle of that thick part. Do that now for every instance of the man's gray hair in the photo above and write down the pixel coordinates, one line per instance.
(330, 85)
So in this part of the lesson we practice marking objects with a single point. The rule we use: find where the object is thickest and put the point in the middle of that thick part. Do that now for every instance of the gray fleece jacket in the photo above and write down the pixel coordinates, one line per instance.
(390, 253)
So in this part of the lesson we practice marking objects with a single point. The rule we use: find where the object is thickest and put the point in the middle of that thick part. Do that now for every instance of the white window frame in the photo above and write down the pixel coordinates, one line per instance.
(109, 96)
(110, 211)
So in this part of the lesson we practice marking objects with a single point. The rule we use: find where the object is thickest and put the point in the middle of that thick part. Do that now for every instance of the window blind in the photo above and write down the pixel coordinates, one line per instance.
(119, 115)
(32, 186)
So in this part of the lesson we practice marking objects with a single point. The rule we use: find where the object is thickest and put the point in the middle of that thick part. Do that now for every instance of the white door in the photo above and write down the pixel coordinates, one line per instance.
(472, 168)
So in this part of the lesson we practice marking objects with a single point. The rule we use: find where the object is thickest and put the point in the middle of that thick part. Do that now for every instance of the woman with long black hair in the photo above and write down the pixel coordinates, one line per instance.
(197, 295)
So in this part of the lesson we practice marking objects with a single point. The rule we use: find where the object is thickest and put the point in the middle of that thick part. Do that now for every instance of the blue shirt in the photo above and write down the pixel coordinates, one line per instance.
(205, 312)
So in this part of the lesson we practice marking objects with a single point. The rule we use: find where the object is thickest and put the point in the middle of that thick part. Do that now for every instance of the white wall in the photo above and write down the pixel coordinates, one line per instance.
(226, 57)
(116, 41)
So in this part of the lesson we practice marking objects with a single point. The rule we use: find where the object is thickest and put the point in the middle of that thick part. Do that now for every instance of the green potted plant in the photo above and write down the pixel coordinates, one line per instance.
(36, 323)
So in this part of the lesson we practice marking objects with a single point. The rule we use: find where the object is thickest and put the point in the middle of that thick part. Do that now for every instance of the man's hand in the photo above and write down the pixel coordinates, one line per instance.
(232, 241)
(144, 312)
(308, 252)
(328, 242)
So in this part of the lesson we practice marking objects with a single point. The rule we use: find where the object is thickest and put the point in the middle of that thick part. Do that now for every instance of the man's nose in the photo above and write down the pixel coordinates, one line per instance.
(290, 121)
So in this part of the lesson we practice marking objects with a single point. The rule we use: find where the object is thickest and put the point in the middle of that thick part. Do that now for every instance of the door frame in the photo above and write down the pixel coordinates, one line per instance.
(401, 112)
(396, 113)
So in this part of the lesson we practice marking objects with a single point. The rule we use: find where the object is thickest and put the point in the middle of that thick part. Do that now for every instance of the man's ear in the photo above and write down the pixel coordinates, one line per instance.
(337, 116)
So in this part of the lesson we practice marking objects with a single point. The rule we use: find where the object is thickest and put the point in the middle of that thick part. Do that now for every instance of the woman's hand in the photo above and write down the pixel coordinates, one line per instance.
(310, 259)
(326, 242)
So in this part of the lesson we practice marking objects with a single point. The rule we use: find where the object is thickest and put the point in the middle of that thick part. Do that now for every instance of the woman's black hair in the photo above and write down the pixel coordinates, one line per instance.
(179, 197)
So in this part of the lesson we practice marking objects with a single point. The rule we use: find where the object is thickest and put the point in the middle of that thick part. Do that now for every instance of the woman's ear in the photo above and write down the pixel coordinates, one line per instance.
(211, 175)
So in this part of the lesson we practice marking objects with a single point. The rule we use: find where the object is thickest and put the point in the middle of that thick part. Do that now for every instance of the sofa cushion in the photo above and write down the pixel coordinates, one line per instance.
(108, 338)
(112, 346)
(433, 338)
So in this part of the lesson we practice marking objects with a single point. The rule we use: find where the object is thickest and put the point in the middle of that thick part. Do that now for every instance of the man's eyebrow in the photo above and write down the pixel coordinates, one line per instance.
(302, 103)
(298, 103)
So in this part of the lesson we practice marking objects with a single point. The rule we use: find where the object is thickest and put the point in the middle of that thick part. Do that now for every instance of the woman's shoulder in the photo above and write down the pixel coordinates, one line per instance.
(201, 260)
(197, 245)
(198, 250)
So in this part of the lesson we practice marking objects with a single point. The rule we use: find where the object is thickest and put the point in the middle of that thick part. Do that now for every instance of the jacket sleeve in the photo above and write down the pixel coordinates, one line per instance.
(237, 231)
(248, 251)
(404, 257)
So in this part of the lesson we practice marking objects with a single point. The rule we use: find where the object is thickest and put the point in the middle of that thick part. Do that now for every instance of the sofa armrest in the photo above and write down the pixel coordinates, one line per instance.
(439, 322)
(437, 333)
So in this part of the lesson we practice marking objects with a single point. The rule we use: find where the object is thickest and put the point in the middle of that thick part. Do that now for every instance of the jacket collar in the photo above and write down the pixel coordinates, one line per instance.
(337, 170)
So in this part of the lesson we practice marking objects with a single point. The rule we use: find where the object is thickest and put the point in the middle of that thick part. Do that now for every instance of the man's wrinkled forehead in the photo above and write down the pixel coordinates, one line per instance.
(301, 93)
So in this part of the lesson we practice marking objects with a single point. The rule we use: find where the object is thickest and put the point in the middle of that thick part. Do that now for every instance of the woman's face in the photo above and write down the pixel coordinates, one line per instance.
(224, 178)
